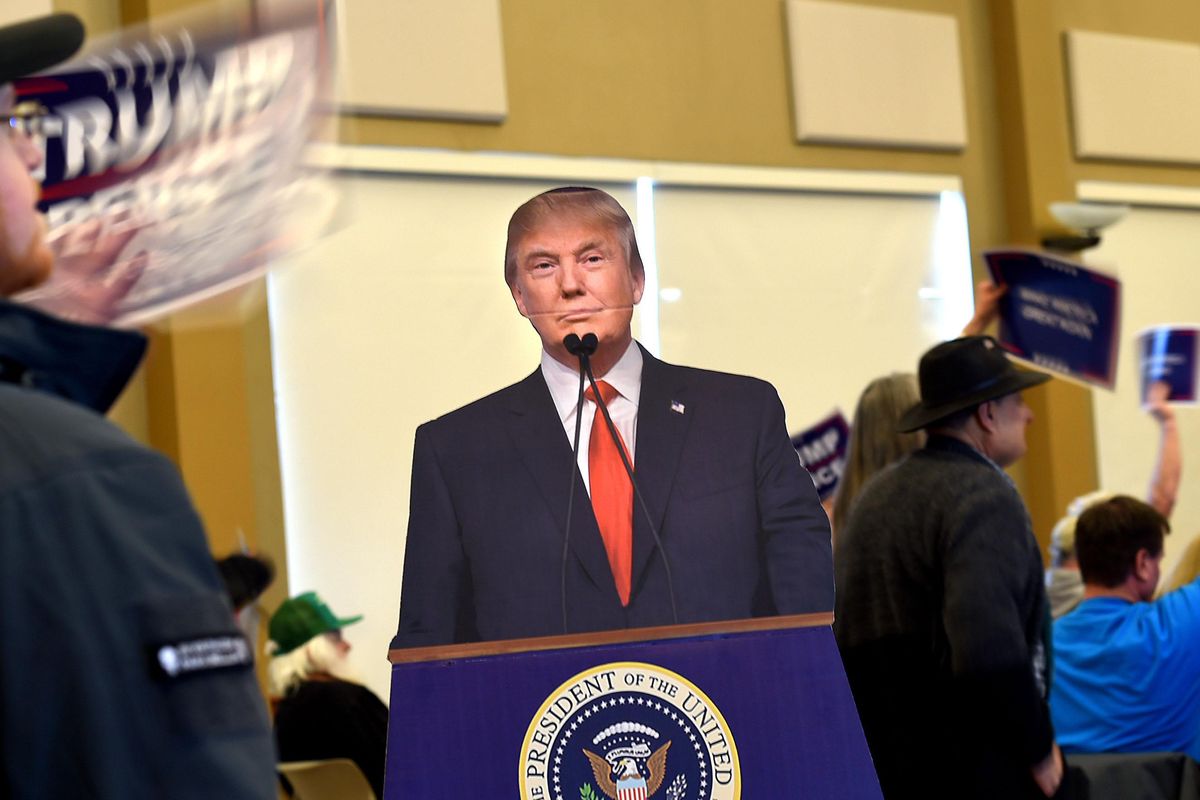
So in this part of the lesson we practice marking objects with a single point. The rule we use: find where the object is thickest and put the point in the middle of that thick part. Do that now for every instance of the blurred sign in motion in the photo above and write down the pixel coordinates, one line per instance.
(822, 451)
(1169, 354)
(1058, 315)
(173, 163)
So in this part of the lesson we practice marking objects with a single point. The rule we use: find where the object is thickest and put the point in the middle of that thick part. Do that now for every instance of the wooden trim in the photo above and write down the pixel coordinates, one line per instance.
(534, 166)
(600, 638)
(134, 12)
(1138, 194)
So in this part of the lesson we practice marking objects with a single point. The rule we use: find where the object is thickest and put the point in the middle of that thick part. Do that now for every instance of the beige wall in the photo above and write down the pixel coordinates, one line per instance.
(210, 407)
(684, 80)
(99, 16)
(697, 81)
(708, 83)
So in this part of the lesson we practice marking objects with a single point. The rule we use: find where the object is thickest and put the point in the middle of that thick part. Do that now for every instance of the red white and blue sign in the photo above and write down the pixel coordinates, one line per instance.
(1169, 354)
(1058, 315)
(822, 451)
(173, 164)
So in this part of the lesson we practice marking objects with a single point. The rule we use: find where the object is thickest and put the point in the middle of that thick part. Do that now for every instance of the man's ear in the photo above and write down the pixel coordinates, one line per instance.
(985, 415)
(519, 298)
(639, 286)
(1142, 564)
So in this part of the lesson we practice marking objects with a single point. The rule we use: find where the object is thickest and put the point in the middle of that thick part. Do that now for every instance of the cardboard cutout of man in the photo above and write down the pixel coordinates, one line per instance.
(740, 524)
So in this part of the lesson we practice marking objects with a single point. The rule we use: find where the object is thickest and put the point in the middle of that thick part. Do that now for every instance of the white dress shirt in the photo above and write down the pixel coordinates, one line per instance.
(625, 377)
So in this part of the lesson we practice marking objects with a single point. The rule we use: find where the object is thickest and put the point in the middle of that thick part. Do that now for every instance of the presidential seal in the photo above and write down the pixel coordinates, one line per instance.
(629, 731)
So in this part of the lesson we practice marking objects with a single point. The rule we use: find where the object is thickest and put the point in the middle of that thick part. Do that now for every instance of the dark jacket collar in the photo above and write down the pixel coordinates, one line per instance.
(82, 363)
(948, 444)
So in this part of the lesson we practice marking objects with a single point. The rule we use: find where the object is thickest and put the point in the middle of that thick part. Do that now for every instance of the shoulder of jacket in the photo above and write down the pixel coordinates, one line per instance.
(44, 436)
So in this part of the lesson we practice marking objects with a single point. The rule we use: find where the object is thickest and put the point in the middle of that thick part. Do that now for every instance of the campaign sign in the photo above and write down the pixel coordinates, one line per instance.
(822, 451)
(1168, 354)
(171, 162)
(1058, 315)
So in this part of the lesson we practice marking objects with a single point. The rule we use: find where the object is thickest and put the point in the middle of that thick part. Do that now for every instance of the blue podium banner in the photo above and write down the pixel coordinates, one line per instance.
(1169, 354)
(822, 451)
(1058, 315)
(756, 714)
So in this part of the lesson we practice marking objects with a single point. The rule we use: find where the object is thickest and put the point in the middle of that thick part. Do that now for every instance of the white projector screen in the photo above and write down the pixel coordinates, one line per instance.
(817, 293)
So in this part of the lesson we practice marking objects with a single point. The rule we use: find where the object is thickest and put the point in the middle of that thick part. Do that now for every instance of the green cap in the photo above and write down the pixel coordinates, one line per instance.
(301, 618)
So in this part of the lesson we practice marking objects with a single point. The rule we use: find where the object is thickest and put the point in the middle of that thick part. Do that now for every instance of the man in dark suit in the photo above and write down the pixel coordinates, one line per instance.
(741, 528)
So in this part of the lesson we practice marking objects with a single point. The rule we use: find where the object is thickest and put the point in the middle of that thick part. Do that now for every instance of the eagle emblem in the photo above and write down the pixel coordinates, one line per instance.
(619, 776)
(605, 734)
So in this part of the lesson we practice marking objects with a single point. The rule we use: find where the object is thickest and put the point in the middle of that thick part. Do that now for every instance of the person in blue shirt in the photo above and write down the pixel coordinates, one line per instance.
(1126, 667)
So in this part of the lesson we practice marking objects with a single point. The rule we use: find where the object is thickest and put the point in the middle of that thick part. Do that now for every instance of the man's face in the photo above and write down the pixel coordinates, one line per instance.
(1010, 417)
(25, 260)
(573, 277)
(340, 645)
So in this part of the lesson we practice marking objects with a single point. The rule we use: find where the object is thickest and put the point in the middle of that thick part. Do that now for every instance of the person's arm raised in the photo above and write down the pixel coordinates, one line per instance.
(1164, 481)
(987, 308)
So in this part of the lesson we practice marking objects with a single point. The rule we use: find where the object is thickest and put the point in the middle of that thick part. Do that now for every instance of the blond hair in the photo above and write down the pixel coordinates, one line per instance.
(319, 654)
(581, 202)
(874, 442)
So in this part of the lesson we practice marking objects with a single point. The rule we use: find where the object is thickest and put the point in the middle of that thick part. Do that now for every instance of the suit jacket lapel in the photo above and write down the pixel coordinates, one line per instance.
(537, 434)
(663, 420)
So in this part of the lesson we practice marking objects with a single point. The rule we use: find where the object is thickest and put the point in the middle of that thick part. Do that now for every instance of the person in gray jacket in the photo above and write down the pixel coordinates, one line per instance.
(122, 670)
(941, 610)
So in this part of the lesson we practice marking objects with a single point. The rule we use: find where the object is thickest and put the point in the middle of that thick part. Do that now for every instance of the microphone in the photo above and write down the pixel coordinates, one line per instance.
(583, 348)
(637, 492)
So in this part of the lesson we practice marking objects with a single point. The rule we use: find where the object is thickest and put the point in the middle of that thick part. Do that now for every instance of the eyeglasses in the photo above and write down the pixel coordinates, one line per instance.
(28, 117)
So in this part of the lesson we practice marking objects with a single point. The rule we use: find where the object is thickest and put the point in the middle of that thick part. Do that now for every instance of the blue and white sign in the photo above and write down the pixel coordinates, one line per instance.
(1058, 315)
(822, 451)
(1168, 353)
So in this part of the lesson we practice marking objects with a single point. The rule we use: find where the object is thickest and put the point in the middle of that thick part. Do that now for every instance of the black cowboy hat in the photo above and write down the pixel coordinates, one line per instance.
(960, 374)
(36, 44)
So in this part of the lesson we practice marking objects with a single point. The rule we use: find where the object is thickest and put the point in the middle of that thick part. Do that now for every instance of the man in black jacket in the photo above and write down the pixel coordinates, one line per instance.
(941, 609)
(122, 671)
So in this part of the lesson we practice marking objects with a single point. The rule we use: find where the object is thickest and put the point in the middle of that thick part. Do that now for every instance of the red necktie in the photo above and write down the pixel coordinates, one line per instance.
(612, 494)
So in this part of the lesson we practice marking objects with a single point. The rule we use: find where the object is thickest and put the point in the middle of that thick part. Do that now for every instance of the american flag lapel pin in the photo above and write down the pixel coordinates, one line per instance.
(678, 407)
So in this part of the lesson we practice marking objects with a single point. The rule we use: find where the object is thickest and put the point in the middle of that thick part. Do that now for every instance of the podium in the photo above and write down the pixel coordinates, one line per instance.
(757, 709)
